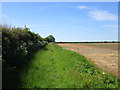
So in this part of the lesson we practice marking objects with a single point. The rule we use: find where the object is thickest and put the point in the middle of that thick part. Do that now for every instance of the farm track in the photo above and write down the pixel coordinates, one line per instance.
(104, 57)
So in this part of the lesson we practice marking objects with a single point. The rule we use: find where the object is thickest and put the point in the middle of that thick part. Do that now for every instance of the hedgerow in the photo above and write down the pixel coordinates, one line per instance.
(20, 43)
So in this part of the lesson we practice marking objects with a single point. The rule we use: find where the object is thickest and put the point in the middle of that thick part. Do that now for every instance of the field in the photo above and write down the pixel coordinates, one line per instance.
(103, 55)
(59, 45)
(55, 67)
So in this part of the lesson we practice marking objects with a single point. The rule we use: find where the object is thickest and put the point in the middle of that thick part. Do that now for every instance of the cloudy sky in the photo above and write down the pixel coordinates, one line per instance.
(66, 21)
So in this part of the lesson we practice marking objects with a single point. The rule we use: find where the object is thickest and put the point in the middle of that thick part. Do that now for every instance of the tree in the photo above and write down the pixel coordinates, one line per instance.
(50, 38)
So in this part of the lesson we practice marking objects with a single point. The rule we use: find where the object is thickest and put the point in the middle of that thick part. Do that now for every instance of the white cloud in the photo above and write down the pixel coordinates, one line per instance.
(102, 15)
(99, 15)
(83, 7)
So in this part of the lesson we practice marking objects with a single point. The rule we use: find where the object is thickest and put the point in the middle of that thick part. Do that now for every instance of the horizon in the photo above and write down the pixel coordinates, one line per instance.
(66, 21)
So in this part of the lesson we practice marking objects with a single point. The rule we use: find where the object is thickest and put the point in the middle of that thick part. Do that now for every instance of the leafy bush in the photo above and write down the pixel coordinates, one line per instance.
(18, 44)
(50, 38)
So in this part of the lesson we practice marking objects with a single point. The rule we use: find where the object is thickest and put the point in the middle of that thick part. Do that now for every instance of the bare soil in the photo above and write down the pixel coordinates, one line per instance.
(103, 55)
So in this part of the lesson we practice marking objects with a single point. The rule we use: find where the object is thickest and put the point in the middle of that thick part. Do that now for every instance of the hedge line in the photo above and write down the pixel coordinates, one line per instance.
(18, 44)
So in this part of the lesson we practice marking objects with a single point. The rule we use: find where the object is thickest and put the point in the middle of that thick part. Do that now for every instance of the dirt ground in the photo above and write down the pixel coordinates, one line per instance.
(105, 56)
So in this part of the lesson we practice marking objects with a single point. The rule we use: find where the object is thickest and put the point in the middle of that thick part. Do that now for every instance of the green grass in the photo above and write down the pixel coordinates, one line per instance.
(55, 67)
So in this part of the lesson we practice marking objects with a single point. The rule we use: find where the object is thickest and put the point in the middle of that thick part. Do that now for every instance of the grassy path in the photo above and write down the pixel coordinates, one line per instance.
(55, 67)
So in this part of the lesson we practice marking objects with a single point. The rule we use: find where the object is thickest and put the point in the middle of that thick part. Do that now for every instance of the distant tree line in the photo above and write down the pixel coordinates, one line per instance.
(91, 42)
(18, 44)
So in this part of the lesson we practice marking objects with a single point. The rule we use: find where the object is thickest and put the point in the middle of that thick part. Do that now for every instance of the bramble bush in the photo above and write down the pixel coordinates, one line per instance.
(20, 43)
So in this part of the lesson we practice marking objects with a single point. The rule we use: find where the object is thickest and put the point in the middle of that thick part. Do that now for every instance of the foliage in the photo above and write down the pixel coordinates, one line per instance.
(50, 38)
(20, 43)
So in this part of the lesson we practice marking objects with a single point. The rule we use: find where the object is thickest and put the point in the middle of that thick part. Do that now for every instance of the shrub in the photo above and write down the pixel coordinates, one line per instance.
(19, 44)
(50, 38)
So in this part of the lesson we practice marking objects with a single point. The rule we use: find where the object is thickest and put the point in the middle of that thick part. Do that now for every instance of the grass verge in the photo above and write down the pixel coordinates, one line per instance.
(55, 67)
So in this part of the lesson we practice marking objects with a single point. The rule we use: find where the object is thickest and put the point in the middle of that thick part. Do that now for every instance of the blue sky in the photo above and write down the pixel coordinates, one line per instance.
(66, 21)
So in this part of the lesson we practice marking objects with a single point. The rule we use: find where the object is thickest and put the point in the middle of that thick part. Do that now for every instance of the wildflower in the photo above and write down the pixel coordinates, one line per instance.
(103, 73)
(26, 51)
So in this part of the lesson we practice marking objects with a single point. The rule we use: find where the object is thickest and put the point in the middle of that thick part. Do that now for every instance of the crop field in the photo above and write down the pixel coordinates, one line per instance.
(103, 55)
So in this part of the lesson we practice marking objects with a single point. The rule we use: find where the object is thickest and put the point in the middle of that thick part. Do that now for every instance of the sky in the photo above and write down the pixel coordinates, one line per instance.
(66, 21)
